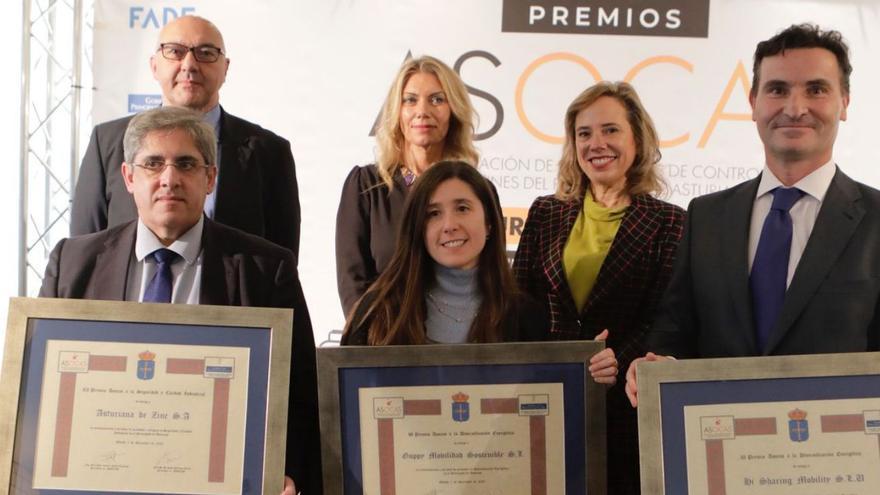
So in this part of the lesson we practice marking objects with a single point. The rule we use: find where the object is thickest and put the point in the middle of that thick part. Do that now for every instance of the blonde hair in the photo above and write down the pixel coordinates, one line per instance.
(459, 143)
(643, 176)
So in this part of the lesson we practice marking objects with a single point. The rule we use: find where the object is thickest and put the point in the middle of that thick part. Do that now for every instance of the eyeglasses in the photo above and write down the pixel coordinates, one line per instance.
(184, 166)
(202, 53)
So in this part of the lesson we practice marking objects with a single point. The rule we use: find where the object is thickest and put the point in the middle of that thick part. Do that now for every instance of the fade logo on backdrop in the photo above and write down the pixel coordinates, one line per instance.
(153, 17)
(686, 18)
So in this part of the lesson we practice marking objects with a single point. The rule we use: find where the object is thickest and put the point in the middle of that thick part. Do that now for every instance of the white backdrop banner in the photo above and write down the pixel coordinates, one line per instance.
(317, 73)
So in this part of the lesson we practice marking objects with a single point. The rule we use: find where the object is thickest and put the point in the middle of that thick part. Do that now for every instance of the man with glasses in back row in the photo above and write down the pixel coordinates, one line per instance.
(173, 253)
(256, 181)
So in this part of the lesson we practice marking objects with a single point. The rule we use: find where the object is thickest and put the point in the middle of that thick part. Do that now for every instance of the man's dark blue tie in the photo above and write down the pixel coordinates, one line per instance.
(770, 267)
(159, 289)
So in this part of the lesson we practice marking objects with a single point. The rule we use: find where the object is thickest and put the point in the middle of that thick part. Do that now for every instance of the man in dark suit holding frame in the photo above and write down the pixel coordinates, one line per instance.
(787, 263)
(256, 192)
(173, 253)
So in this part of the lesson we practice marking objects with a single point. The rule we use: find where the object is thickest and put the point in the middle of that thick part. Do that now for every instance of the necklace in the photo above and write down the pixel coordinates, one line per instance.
(408, 176)
(447, 310)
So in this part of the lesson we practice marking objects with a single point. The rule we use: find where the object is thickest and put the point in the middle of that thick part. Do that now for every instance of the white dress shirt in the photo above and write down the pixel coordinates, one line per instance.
(803, 213)
(187, 272)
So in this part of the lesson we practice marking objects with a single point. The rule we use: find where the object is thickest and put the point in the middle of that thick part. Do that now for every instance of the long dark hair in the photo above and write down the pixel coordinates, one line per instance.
(396, 299)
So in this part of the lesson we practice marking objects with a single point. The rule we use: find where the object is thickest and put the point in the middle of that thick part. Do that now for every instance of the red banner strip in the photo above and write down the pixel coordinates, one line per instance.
(107, 363)
(840, 423)
(63, 424)
(498, 406)
(185, 366)
(538, 445)
(754, 426)
(386, 455)
(715, 466)
(219, 424)
(421, 407)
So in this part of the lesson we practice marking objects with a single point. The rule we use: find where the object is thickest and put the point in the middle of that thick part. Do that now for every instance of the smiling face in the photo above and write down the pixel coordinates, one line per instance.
(456, 230)
(169, 203)
(798, 105)
(189, 83)
(424, 112)
(605, 142)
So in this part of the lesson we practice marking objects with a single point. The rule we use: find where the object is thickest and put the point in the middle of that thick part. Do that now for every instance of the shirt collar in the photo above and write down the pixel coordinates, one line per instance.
(187, 246)
(815, 184)
(212, 117)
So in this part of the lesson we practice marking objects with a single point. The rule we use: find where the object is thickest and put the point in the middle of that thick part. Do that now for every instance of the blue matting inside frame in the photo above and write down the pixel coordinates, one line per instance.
(571, 375)
(42, 330)
(675, 396)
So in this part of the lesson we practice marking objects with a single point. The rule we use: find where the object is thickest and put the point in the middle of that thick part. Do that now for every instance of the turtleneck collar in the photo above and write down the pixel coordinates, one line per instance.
(452, 303)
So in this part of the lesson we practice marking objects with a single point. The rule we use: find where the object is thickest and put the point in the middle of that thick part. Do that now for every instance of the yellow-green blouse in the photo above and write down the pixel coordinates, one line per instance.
(588, 245)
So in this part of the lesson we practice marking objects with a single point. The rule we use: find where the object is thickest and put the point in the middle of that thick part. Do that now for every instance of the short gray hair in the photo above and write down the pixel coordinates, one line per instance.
(168, 119)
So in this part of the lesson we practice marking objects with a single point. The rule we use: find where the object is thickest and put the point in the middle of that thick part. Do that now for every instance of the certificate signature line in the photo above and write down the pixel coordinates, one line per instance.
(168, 459)
(110, 456)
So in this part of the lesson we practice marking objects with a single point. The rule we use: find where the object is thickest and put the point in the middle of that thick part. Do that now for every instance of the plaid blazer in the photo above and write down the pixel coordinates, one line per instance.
(631, 280)
(624, 299)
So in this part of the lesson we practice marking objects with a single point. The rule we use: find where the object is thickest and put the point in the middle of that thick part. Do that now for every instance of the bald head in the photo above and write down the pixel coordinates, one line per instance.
(189, 25)
(188, 82)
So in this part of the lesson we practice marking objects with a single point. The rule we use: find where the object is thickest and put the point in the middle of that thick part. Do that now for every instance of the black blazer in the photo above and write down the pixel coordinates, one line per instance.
(257, 190)
(238, 269)
(831, 304)
(366, 230)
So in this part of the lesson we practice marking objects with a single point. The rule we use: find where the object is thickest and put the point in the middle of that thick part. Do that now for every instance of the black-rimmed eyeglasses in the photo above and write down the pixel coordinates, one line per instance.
(184, 166)
(202, 53)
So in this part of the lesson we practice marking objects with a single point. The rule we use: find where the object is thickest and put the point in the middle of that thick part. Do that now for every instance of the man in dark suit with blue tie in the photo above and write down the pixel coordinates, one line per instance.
(173, 253)
(789, 262)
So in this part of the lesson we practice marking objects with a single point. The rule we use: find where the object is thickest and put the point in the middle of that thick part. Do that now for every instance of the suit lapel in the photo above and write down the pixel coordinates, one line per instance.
(554, 267)
(219, 272)
(234, 157)
(735, 257)
(114, 260)
(838, 218)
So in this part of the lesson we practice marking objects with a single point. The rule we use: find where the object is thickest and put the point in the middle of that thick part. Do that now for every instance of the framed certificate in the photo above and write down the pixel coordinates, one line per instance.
(120, 397)
(522, 418)
(768, 425)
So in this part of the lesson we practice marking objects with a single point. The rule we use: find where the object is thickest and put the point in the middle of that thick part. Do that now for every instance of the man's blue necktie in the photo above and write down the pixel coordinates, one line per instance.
(159, 289)
(770, 267)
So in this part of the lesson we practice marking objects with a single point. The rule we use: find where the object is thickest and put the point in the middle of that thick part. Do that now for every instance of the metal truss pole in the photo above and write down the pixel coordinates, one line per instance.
(51, 120)
(25, 125)
(76, 89)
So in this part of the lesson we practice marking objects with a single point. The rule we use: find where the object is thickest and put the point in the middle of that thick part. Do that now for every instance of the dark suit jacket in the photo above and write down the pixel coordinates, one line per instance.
(257, 190)
(624, 298)
(832, 301)
(238, 269)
